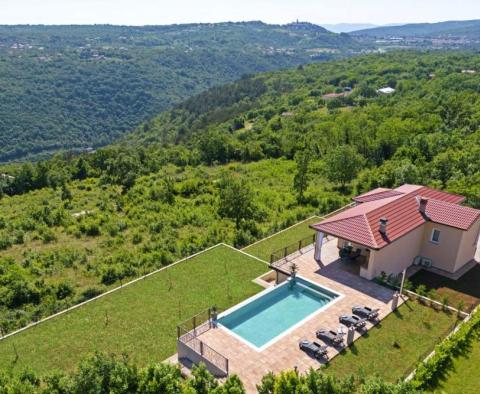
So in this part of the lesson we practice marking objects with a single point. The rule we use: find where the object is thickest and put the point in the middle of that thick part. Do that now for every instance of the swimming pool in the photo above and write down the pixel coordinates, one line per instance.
(264, 318)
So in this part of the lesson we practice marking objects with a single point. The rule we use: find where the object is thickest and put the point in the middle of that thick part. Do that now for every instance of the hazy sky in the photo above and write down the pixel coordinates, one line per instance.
(141, 12)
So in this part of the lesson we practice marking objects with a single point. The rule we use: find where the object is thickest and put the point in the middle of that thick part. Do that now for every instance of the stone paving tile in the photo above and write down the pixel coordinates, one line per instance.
(284, 354)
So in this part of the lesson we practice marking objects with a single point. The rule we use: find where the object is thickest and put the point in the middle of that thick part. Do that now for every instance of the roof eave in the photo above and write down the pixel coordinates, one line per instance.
(345, 238)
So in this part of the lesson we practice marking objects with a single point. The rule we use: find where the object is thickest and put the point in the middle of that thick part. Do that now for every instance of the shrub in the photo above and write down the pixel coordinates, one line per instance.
(137, 238)
(89, 293)
(421, 290)
(64, 290)
(445, 303)
(5, 241)
(109, 276)
(92, 229)
(19, 237)
(47, 235)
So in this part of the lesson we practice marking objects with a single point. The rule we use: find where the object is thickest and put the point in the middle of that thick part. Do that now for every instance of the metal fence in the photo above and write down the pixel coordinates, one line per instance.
(188, 332)
(292, 248)
(197, 324)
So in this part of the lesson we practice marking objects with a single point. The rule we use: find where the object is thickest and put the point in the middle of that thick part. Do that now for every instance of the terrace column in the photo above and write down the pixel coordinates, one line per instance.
(318, 246)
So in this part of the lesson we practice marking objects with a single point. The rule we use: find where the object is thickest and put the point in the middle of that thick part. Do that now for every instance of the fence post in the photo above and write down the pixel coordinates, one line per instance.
(178, 332)
(285, 252)
(403, 280)
(201, 348)
(226, 365)
(300, 245)
(194, 323)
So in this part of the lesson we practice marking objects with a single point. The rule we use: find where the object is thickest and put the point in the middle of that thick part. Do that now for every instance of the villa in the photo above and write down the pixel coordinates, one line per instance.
(313, 286)
(392, 229)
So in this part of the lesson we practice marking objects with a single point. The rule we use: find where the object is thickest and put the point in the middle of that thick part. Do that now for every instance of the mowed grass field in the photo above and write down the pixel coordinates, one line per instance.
(393, 348)
(266, 247)
(139, 319)
(464, 376)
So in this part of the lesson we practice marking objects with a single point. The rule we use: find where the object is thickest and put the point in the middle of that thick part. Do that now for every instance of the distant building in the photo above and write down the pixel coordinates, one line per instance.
(386, 90)
(330, 96)
(468, 71)
(6, 176)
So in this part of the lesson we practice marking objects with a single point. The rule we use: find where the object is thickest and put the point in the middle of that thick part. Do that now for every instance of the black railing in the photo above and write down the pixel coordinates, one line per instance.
(188, 332)
(292, 248)
(197, 324)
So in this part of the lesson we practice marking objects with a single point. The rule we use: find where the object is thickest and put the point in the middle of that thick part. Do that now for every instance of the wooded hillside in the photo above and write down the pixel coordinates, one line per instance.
(73, 87)
(234, 164)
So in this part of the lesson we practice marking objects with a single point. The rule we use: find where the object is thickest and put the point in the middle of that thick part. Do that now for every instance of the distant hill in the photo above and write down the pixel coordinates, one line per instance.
(72, 87)
(347, 27)
(466, 29)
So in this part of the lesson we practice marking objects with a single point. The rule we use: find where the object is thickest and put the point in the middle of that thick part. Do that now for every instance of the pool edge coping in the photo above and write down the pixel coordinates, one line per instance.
(288, 330)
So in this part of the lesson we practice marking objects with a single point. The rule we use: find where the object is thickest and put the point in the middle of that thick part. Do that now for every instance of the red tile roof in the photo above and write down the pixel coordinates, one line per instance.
(376, 194)
(452, 215)
(361, 223)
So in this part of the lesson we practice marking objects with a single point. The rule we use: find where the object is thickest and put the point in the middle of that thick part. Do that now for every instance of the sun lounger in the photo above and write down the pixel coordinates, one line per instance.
(313, 349)
(330, 336)
(352, 321)
(366, 312)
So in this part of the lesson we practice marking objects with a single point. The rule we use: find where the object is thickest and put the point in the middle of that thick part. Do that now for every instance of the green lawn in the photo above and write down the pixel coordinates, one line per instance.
(393, 348)
(464, 376)
(141, 318)
(265, 248)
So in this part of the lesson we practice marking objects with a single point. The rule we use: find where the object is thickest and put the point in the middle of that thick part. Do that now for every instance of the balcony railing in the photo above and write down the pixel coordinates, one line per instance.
(286, 251)
(188, 332)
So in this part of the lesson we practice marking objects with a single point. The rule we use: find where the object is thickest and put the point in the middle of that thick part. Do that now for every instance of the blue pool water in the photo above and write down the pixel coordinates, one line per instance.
(274, 312)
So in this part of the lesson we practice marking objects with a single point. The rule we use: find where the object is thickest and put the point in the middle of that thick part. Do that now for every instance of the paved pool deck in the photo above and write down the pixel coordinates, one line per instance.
(251, 365)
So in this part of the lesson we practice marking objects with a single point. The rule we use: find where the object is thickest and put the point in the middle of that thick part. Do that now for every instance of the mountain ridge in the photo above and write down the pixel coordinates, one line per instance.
(465, 28)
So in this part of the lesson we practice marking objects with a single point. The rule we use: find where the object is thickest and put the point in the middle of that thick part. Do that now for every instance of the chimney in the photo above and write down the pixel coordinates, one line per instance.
(422, 205)
(383, 226)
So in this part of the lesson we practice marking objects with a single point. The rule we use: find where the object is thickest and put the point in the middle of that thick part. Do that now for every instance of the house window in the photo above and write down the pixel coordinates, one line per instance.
(435, 236)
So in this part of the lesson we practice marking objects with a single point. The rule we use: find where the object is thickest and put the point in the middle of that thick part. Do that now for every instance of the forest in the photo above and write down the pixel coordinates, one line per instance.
(75, 87)
(104, 374)
(233, 164)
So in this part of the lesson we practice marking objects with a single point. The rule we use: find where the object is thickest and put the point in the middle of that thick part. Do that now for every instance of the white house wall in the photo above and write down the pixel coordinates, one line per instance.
(395, 257)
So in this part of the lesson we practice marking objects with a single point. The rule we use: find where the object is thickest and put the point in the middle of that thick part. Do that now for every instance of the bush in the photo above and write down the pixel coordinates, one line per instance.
(137, 238)
(92, 229)
(47, 235)
(64, 290)
(89, 293)
(109, 276)
(5, 241)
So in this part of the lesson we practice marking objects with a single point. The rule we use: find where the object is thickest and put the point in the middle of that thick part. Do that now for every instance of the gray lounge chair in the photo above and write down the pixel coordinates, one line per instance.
(330, 336)
(352, 321)
(366, 312)
(314, 349)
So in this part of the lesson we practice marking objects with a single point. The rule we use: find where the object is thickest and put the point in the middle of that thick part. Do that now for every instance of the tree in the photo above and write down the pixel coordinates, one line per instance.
(160, 378)
(301, 178)
(202, 381)
(342, 164)
(236, 199)
(105, 374)
(122, 170)
(81, 169)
